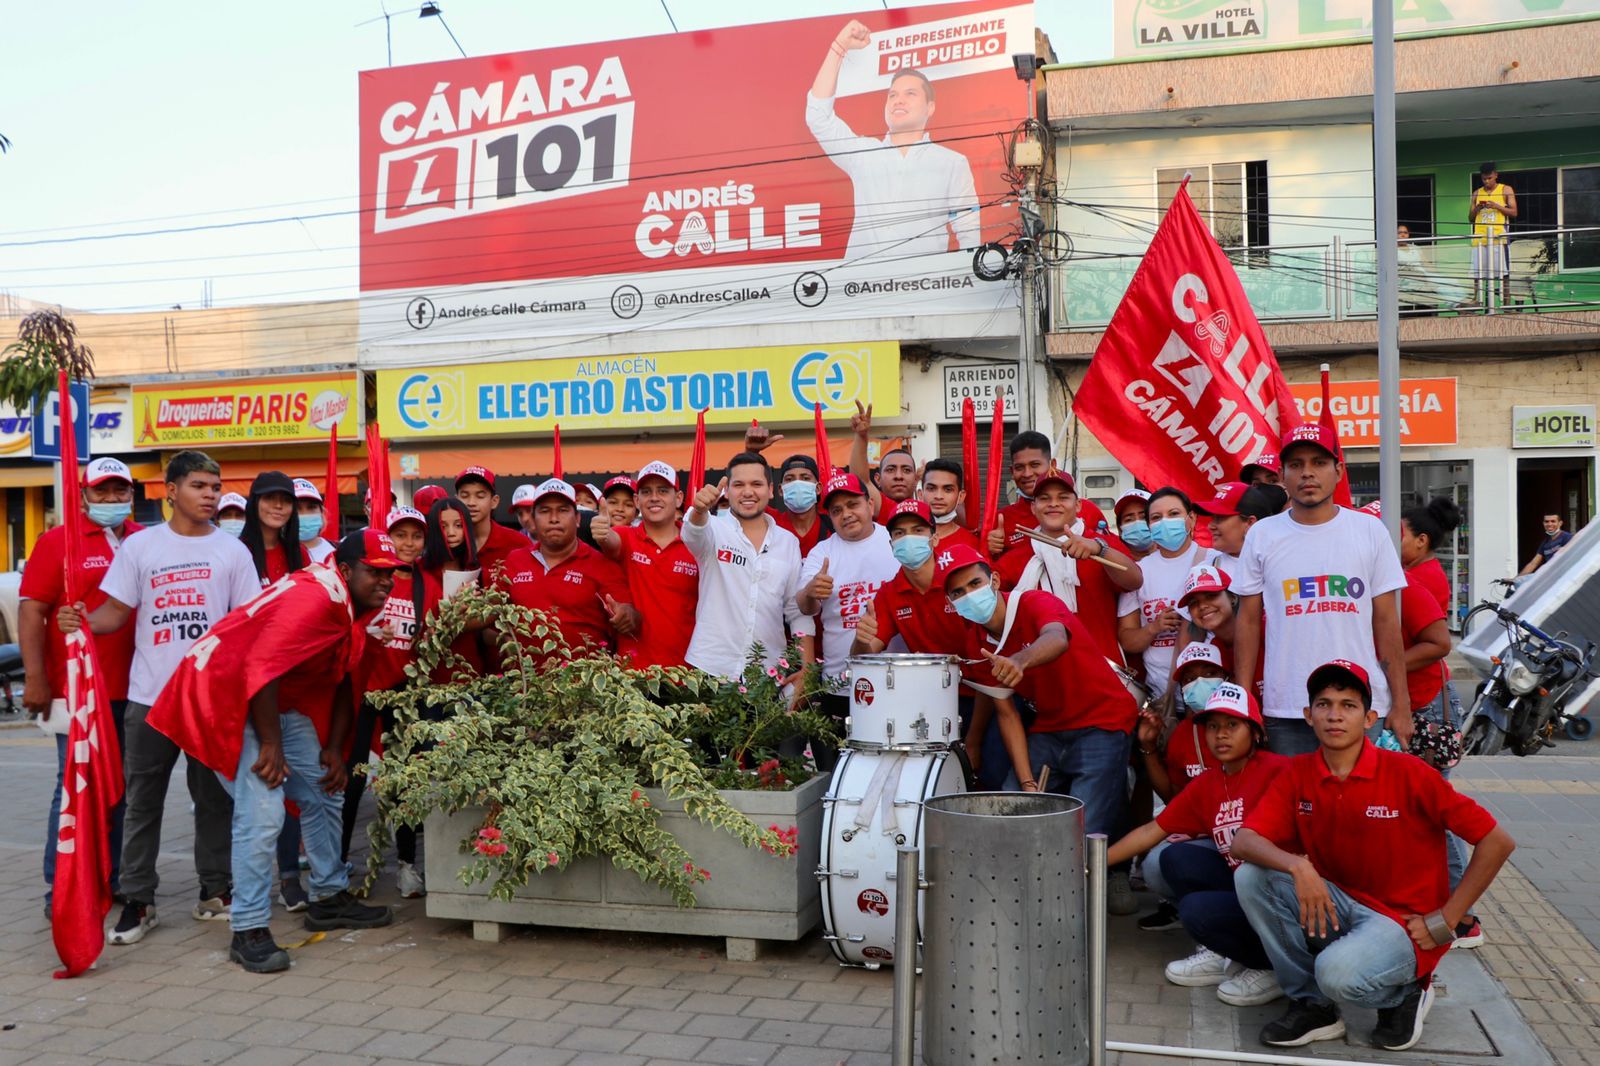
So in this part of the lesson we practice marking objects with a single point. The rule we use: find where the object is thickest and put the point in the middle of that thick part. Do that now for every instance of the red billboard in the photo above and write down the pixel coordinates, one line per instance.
(748, 174)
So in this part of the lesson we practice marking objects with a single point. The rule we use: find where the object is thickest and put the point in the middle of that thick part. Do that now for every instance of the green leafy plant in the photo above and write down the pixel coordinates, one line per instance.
(46, 344)
(559, 749)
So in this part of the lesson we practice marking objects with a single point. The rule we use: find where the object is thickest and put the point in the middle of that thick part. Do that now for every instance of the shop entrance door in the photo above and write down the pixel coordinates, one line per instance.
(1563, 486)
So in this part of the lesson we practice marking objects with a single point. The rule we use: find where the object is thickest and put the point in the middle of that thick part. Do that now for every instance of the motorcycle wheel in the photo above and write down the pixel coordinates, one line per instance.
(1579, 728)
(1482, 737)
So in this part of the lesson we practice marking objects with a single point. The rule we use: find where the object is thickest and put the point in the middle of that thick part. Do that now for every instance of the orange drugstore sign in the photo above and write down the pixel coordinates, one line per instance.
(281, 410)
(1427, 410)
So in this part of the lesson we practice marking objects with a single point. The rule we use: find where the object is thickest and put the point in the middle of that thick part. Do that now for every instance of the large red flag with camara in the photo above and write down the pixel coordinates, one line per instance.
(1183, 389)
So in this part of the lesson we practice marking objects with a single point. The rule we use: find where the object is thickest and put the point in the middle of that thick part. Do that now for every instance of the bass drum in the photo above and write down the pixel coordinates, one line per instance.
(873, 806)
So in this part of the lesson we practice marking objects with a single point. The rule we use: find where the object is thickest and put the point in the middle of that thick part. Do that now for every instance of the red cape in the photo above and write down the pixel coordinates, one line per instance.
(303, 617)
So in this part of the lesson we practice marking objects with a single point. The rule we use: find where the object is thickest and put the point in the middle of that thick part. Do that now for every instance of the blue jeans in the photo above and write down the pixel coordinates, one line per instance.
(289, 847)
(1294, 736)
(1208, 907)
(1367, 961)
(54, 825)
(1155, 878)
(258, 816)
(1445, 711)
(1091, 765)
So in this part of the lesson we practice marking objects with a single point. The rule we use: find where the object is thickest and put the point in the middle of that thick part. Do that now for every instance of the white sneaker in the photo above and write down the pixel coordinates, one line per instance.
(1205, 967)
(214, 909)
(409, 883)
(1250, 988)
(136, 920)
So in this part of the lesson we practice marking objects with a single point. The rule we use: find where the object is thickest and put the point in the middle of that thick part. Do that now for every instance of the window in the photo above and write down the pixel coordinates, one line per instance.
(1580, 209)
(1231, 197)
(1414, 196)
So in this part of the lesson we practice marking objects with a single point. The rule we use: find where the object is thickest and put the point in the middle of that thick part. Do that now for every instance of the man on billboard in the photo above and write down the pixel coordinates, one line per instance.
(909, 192)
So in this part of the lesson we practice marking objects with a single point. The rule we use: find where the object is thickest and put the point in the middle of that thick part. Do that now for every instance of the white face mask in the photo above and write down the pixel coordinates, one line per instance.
(944, 519)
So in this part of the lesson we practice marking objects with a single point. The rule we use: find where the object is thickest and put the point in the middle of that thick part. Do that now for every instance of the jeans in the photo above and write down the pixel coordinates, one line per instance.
(1367, 961)
(258, 816)
(1445, 711)
(1091, 765)
(114, 834)
(289, 847)
(1294, 736)
(1155, 878)
(1208, 906)
(147, 759)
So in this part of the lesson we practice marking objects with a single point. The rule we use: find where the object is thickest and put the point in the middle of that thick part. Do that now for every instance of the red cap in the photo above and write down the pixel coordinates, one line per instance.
(370, 546)
(954, 558)
(480, 473)
(428, 495)
(1312, 433)
(1338, 672)
(842, 481)
(1266, 461)
(621, 481)
(911, 507)
(1226, 499)
(1057, 475)
(1236, 702)
(1203, 579)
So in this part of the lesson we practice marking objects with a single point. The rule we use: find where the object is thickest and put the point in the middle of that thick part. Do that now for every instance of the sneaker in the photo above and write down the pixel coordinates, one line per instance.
(1469, 934)
(344, 911)
(137, 919)
(292, 895)
(1303, 1023)
(257, 952)
(1119, 895)
(1400, 1027)
(1164, 917)
(1250, 988)
(1200, 970)
(409, 883)
(218, 908)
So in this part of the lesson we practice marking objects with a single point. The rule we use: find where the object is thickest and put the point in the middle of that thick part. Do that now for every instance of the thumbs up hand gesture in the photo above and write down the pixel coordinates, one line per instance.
(821, 586)
(705, 498)
(600, 526)
(867, 626)
(1005, 670)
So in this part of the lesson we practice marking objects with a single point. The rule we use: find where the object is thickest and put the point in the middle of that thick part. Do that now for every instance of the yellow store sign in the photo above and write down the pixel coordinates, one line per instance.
(301, 407)
(629, 392)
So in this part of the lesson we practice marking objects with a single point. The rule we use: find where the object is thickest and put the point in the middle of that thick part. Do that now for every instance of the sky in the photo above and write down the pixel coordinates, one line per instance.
(131, 118)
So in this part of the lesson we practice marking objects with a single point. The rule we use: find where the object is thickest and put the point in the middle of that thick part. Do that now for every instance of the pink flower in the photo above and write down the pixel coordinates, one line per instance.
(489, 832)
(705, 875)
(552, 859)
(743, 690)
(784, 663)
(772, 671)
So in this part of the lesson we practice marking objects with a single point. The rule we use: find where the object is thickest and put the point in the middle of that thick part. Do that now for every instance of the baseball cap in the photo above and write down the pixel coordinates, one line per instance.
(954, 558)
(1057, 475)
(592, 490)
(621, 481)
(305, 490)
(405, 514)
(1311, 433)
(523, 497)
(1341, 673)
(370, 546)
(1268, 461)
(911, 507)
(106, 469)
(801, 460)
(272, 481)
(1197, 653)
(1225, 501)
(555, 487)
(656, 468)
(428, 495)
(842, 481)
(476, 473)
(1236, 702)
(1132, 495)
(1203, 579)
(367, 497)
(231, 499)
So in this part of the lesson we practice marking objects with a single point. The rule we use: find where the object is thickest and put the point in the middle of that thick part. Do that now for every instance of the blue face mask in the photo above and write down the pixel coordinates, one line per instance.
(1136, 535)
(911, 551)
(978, 605)
(799, 496)
(1169, 533)
(109, 514)
(233, 527)
(310, 526)
(1197, 693)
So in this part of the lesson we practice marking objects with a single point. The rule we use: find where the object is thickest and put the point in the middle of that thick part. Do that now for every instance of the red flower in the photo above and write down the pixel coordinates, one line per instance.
(552, 858)
(486, 847)
(489, 832)
(705, 875)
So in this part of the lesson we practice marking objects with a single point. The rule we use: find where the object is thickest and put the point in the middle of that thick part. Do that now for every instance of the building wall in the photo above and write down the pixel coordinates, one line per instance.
(1454, 162)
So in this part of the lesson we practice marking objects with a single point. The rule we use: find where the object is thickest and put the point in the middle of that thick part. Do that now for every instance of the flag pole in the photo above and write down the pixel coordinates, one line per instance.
(1387, 220)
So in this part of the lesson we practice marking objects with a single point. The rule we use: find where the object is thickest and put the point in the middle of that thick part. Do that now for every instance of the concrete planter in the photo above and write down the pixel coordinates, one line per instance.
(751, 896)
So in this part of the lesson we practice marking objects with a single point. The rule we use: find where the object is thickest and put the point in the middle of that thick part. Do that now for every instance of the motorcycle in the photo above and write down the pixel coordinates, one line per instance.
(10, 675)
(1524, 700)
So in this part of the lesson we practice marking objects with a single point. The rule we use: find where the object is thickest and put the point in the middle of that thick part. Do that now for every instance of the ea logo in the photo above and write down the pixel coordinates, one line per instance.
(431, 401)
(873, 901)
(864, 692)
(836, 380)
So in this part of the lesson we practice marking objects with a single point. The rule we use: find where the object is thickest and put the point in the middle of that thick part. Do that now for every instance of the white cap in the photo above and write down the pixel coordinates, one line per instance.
(1198, 653)
(106, 469)
(405, 514)
(555, 487)
(305, 490)
(231, 499)
(656, 468)
(523, 497)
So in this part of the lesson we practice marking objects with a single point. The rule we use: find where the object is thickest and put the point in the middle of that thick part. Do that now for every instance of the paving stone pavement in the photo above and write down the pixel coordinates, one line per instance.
(424, 991)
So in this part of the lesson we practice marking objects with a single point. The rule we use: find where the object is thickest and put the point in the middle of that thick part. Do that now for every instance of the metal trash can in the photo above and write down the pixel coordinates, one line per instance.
(1004, 934)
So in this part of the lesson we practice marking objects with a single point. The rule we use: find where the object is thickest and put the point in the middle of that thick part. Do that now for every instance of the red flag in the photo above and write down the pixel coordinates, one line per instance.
(971, 475)
(330, 487)
(824, 454)
(991, 484)
(1341, 495)
(697, 456)
(378, 491)
(557, 470)
(1183, 389)
(92, 782)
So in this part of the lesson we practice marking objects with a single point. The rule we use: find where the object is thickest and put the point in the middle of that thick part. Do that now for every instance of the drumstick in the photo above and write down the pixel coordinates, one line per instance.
(1045, 538)
(1044, 776)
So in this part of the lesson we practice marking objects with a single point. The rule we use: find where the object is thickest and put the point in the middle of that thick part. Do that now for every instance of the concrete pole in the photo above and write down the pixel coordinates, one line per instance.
(1387, 215)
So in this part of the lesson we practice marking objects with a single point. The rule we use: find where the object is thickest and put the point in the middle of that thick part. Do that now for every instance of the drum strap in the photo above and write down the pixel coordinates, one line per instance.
(881, 792)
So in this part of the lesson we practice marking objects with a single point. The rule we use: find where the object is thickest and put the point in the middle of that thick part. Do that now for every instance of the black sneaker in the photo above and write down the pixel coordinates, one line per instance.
(257, 952)
(1164, 917)
(1400, 1027)
(137, 919)
(344, 911)
(1303, 1023)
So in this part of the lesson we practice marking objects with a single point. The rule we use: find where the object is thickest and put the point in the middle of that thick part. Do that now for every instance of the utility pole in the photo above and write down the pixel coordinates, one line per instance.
(1384, 181)
(1027, 273)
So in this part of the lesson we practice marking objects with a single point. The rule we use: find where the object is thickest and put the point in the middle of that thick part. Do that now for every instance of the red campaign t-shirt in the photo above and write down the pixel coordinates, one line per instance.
(467, 645)
(664, 584)
(1418, 611)
(1379, 834)
(1076, 690)
(384, 661)
(1430, 575)
(43, 579)
(499, 545)
(569, 592)
(1097, 595)
(1018, 515)
(820, 530)
(1217, 802)
(277, 560)
(958, 534)
(924, 620)
(1188, 755)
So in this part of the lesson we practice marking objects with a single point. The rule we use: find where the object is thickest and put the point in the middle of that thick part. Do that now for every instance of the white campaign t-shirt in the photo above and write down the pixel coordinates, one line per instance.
(1163, 587)
(858, 568)
(179, 587)
(1317, 585)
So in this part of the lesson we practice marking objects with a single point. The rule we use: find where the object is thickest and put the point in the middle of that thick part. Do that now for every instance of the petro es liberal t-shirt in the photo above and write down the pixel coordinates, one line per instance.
(179, 587)
(1317, 585)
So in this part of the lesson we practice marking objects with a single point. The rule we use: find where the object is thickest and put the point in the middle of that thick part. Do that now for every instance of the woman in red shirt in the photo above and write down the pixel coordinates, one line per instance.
(270, 531)
(448, 549)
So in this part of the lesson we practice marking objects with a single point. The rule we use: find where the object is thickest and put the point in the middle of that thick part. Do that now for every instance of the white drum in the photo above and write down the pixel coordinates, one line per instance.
(903, 701)
(873, 806)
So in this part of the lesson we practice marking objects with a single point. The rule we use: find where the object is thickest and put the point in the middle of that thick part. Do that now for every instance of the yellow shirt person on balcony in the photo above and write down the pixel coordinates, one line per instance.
(1494, 205)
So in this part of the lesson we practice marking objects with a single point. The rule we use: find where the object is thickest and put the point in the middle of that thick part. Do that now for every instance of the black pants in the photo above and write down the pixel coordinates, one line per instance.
(405, 836)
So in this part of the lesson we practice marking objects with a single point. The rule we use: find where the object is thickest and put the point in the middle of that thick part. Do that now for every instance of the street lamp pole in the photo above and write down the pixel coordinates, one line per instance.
(1384, 180)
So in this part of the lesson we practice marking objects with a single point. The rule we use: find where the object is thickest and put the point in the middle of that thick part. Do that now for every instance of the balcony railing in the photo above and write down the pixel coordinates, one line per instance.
(1550, 270)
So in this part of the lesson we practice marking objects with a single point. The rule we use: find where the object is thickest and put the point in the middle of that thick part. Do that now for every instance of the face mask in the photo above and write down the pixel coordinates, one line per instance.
(109, 514)
(1197, 693)
(978, 605)
(799, 496)
(586, 507)
(911, 551)
(944, 519)
(1169, 533)
(233, 527)
(310, 526)
(1136, 535)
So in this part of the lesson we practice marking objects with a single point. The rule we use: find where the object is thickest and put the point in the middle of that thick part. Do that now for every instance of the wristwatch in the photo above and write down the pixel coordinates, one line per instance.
(1104, 547)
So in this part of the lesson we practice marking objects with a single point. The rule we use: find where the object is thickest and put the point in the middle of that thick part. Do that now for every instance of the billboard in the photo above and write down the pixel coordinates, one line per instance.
(823, 168)
(636, 392)
(283, 410)
(1428, 410)
(109, 431)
